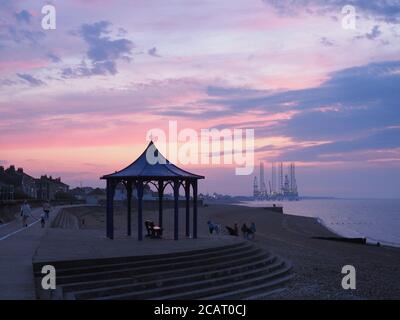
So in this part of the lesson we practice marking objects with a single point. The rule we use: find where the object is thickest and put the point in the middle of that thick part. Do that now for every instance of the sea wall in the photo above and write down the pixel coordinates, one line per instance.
(275, 209)
(10, 209)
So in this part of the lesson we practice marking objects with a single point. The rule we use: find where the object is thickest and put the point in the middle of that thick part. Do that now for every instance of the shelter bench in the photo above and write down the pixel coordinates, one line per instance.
(153, 231)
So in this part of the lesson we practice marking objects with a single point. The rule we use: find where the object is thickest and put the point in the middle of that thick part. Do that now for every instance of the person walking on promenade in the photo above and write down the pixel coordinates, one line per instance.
(46, 209)
(25, 213)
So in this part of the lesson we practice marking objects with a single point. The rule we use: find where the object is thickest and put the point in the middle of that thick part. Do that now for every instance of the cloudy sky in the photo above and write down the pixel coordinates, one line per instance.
(77, 101)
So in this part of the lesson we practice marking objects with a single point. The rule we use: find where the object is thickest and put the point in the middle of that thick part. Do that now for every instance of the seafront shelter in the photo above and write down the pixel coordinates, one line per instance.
(152, 168)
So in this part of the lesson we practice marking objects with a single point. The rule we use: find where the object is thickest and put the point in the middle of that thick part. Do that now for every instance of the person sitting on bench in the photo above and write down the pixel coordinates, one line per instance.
(149, 227)
(153, 231)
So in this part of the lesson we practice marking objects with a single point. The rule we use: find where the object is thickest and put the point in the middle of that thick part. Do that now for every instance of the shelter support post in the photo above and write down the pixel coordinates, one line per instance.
(139, 188)
(160, 202)
(110, 209)
(129, 205)
(176, 210)
(187, 196)
(195, 209)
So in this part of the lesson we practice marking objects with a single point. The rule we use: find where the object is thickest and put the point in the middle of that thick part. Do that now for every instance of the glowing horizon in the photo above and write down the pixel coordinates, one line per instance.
(78, 101)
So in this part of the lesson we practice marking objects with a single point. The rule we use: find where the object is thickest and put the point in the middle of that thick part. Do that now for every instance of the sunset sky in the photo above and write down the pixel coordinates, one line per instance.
(77, 101)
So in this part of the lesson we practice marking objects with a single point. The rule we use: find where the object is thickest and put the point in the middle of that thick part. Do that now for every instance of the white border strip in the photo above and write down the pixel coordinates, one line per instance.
(17, 231)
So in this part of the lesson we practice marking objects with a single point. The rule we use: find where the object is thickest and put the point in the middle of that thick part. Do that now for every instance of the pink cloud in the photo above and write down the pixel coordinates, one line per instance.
(21, 65)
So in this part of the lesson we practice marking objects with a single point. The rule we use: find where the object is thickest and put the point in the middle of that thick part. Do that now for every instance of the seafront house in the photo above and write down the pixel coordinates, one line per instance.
(96, 196)
(6, 192)
(48, 187)
(16, 184)
(148, 194)
(80, 193)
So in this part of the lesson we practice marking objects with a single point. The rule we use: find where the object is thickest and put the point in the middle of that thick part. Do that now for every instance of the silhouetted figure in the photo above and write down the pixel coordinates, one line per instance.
(210, 226)
(213, 227)
(217, 228)
(251, 231)
(43, 219)
(46, 210)
(244, 230)
(153, 231)
(149, 227)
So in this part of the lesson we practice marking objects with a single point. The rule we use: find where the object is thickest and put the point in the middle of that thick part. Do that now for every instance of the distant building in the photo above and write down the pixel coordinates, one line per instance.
(214, 196)
(6, 188)
(16, 184)
(121, 194)
(20, 184)
(80, 193)
(48, 187)
(96, 196)
(6, 192)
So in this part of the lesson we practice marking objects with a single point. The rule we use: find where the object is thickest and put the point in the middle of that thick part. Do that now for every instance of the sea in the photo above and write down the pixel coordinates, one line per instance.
(378, 220)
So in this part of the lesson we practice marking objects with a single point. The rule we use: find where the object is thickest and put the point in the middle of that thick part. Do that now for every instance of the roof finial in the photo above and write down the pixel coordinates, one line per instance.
(152, 138)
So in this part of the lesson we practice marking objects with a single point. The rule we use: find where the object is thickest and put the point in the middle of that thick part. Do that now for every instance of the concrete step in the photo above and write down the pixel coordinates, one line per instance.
(192, 289)
(153, 262)
(79, 264)
(191, 279)
(238, 271)
(224, 291)
(261, 259)
(258, 292)
(211, 262)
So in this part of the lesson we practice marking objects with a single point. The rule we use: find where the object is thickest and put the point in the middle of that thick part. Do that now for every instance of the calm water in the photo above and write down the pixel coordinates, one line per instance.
(376, 220)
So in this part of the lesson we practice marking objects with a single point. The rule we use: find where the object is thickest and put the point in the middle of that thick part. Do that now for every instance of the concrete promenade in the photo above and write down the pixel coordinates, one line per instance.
(17, 247)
